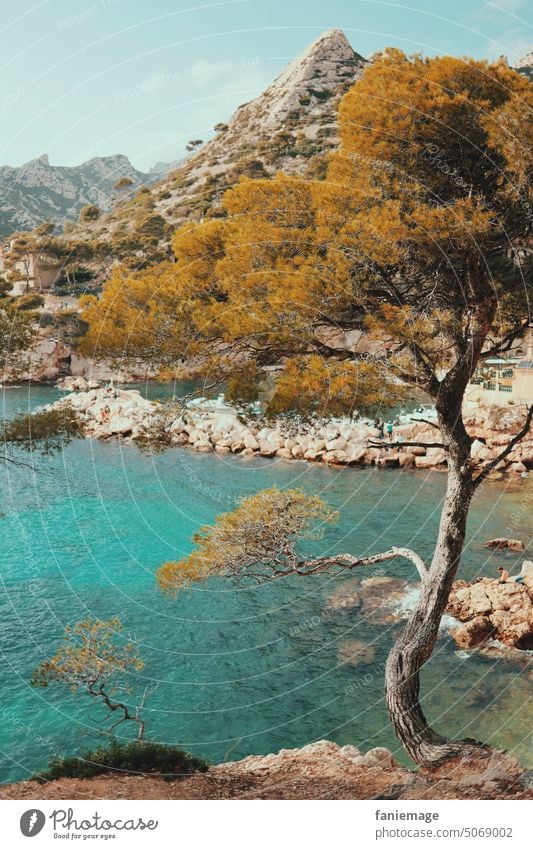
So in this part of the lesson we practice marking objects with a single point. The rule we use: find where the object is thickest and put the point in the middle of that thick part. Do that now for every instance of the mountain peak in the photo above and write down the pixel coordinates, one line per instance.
(331, 40)
(39, 160)
(525, 61)
(328, 63)
(289, 128)
(109, 161)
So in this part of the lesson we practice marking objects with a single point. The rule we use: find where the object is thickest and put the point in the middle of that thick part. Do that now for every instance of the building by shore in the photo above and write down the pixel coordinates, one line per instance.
(505, 379)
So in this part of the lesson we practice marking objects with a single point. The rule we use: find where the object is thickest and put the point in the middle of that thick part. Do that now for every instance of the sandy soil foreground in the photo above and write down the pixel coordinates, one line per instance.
(321, 770)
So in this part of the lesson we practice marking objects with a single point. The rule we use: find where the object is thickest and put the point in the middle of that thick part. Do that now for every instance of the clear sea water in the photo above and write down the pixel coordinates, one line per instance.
(238, 671)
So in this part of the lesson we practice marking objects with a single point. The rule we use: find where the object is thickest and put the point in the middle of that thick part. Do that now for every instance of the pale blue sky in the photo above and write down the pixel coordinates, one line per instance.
(82, 78)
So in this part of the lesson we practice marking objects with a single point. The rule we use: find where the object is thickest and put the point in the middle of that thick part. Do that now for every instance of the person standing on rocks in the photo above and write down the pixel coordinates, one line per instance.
(104, 414)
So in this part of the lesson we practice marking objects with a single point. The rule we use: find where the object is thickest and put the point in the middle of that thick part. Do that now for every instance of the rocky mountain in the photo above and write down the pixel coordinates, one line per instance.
(38, 192)
(161, 168)
(287, 128)
(525, 65)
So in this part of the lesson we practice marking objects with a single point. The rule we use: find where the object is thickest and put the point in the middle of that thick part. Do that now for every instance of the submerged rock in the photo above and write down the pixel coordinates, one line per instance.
(501, 543)
(345, 597)
(355, 653)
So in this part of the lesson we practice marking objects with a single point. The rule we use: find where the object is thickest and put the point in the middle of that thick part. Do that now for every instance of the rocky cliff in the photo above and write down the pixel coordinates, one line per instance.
(37, 191)
(321, 770)
(287, 128)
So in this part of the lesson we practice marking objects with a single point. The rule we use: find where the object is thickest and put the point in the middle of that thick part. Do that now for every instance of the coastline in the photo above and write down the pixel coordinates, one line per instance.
(116, 413)
(320, 770)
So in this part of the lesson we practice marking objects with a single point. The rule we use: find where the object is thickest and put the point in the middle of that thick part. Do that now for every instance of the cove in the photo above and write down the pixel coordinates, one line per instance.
(235, 670)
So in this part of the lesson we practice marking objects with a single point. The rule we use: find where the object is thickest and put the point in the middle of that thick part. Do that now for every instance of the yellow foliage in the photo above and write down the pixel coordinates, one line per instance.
(319, 388)
(90, 655)
(257, 540)
(406, 238)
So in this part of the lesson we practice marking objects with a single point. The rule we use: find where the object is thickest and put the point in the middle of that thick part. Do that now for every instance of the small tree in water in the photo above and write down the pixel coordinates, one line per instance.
(410, 239)
(92, 659)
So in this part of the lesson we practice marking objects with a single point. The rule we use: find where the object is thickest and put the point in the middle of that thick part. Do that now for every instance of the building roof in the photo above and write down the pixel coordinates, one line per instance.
(525, 364)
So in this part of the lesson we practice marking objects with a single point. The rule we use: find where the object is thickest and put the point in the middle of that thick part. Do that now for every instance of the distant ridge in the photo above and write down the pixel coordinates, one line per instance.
(525, 65)
(37, 191)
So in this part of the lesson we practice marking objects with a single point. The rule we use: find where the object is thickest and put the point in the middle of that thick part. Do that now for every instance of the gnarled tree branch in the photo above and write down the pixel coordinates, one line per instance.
(349, 561)
(506, 451)
(386, 444)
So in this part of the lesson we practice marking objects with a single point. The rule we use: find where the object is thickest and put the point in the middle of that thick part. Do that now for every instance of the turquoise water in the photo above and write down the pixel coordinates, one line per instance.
(237, 671)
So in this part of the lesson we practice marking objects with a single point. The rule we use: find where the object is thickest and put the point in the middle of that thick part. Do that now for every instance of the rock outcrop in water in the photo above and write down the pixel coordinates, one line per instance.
(492, 609)
(219, 429)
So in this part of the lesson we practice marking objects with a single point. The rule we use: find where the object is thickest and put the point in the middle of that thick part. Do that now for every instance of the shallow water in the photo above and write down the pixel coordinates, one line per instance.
(237, 671)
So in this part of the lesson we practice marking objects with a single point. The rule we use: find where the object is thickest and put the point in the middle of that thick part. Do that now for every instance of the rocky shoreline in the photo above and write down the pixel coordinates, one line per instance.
(489, 616)
(494, 612)
(320, 770)
(124, 413)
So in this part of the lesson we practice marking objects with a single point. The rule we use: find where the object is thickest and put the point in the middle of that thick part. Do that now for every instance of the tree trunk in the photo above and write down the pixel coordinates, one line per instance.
(415, 645)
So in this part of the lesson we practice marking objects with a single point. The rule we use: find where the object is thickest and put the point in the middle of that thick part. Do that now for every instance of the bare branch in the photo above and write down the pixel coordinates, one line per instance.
(506, 342)
(376, 444)
(349, 561)
(506, 451)
(426, 421)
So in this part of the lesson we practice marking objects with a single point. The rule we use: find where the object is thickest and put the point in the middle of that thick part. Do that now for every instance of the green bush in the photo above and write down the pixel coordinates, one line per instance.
(31, 301)
(46, 319)
(90, 212)
(5, 288)
(136, 758)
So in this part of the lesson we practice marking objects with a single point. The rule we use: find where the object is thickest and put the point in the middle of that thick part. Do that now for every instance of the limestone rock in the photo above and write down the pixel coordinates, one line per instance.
(473, 633)
(120, 424)
(424, 462)
(338, 444)
(527, 568)
(479, 600)
(380, 757)
(491, 608)
(517, 468)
